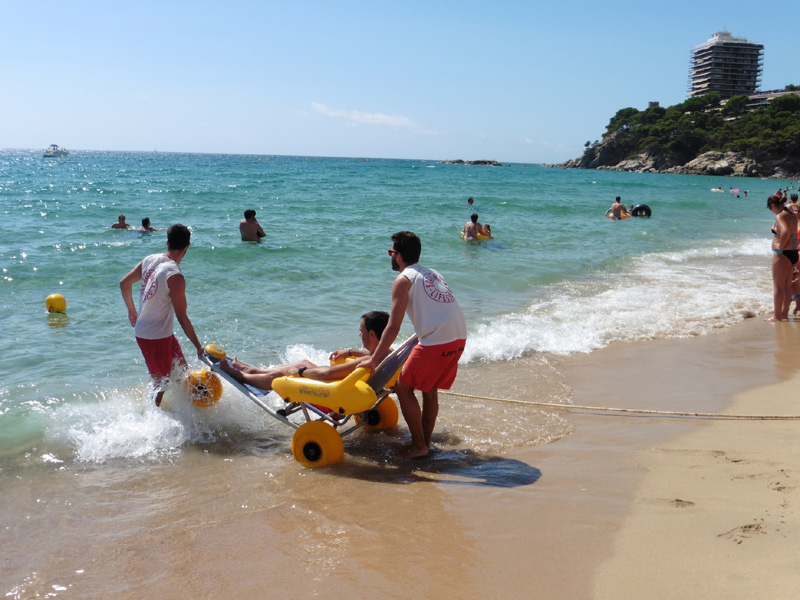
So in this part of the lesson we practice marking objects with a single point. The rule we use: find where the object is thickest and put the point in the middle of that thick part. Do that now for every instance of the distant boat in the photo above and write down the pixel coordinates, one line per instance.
(54, 151)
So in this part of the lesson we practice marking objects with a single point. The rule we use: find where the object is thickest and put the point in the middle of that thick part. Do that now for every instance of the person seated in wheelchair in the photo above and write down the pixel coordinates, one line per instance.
(370, 330)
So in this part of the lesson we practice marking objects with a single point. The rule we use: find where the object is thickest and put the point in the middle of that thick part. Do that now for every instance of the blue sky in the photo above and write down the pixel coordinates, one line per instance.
(511, 81)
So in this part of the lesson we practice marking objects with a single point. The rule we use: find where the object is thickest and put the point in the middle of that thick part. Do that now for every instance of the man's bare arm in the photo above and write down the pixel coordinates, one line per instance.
(134, 275)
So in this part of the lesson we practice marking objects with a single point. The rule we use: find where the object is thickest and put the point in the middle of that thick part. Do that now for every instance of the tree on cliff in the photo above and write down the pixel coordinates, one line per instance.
(679, 133)
(625, 120)
(771, 132)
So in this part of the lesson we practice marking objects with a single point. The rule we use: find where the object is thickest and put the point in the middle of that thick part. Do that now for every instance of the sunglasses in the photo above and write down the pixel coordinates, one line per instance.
(392, 252)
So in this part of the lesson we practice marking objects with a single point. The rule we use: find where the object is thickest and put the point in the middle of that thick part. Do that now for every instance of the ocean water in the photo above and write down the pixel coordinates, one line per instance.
(93, 477)
(557, 279)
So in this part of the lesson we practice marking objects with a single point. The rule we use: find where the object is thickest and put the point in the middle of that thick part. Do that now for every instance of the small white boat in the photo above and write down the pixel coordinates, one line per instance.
(54, 151)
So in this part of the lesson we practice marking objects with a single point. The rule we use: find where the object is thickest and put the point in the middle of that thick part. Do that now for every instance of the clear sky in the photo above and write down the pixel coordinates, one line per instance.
(514, 81)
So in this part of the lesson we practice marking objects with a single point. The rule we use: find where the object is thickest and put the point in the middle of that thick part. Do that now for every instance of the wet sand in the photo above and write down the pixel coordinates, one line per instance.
(618, 507)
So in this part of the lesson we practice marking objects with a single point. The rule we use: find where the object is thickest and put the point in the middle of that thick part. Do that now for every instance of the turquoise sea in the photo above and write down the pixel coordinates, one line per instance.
(104, 495)
(558, 279)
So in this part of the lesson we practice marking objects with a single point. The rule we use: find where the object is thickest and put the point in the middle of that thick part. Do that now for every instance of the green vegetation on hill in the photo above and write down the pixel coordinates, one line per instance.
(703, 123)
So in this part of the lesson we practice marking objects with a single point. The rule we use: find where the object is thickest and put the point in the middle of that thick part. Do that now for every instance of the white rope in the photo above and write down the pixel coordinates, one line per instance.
(637, 411)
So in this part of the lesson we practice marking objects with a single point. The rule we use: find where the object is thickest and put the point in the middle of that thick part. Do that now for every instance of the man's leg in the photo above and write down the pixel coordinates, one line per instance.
(261, 378)
(430, 410)
(159, 356)
(413, 416)
(177, 354)
(243, 366)
(159, 385)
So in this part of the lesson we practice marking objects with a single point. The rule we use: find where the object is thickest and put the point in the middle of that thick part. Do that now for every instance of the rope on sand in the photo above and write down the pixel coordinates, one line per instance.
(635, 411)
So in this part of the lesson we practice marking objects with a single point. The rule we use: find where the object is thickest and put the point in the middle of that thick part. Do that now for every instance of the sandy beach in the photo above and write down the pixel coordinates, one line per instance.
(639, 506)
(106, 496)
(712, 511)
(653, 507)
(715, 514)
(620, 507)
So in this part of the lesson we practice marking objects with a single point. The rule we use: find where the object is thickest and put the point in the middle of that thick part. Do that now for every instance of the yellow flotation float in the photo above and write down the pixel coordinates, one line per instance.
(203, 387)
(481, 236)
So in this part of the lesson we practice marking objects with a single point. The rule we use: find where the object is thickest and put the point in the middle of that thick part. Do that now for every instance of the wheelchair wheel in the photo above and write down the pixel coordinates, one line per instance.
(317, 444)
(381, 418)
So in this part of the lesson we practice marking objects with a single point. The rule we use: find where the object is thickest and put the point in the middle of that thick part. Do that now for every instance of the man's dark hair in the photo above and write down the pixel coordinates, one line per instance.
(249, 213)
(408, 245)
(145, 222)
(474, 217)
(618, 198)
(178, 237)
(376, 321)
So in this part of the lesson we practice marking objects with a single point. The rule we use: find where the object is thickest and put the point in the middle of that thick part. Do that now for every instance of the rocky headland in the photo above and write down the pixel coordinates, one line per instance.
(735, 164)
(704, 135)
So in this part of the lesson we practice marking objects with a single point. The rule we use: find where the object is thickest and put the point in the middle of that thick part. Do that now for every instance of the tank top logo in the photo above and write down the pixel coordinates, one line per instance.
(149, 285)
(437, 289)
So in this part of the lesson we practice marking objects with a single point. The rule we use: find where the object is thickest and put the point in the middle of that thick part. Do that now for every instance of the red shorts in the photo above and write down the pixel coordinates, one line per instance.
(160, 354)
(431, 367)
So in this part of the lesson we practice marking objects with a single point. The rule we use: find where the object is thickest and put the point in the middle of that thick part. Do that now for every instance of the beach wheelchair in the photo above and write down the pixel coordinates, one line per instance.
(329, 410)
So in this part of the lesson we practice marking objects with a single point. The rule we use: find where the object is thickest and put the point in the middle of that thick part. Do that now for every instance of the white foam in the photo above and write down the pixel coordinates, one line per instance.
(127, 424)
(674, 294)
(116, 423)
(120, 424)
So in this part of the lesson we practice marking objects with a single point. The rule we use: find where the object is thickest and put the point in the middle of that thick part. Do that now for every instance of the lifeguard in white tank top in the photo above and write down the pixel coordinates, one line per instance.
(156, 313)
(433, 308)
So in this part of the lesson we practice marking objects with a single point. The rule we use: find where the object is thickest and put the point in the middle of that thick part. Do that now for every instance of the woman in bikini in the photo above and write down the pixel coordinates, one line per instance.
(784, 256)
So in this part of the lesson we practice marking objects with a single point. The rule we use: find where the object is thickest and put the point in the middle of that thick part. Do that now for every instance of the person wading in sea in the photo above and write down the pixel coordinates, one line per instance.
(162, 298)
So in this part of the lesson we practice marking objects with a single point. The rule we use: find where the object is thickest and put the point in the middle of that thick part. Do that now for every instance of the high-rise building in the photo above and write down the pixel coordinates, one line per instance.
(725, 64)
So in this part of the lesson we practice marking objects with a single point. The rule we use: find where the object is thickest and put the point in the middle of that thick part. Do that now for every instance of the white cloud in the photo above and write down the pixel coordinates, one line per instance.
(365, 118)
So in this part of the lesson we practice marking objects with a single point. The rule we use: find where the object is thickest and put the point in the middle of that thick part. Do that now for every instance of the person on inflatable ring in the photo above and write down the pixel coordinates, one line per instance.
(617, 210)
(370, 329)
(472, 229)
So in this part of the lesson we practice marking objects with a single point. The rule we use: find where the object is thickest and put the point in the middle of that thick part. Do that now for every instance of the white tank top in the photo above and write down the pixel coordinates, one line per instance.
(432, 308)
(156, 315)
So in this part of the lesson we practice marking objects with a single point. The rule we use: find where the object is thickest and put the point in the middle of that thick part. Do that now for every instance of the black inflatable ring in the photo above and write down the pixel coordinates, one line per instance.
(641, 210)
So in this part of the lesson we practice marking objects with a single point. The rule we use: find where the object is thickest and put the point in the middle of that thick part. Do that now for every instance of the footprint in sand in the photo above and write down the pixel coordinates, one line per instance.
(681, 503)
(677, 502)
(739, 534)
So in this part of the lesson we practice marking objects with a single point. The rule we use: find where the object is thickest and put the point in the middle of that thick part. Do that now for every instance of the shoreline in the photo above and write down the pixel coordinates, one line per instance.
(626, 168)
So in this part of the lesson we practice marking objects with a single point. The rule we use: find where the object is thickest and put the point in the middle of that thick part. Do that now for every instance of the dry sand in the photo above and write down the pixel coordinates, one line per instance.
(712, 513)
(715, 515)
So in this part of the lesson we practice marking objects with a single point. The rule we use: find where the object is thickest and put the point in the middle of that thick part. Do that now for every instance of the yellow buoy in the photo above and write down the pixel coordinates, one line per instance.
(56, 303)
(204, 388)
